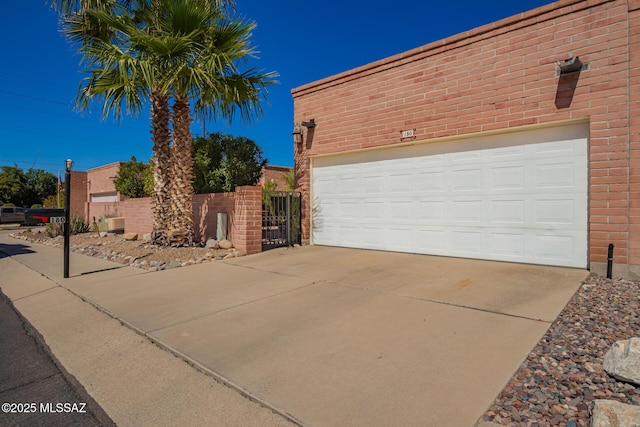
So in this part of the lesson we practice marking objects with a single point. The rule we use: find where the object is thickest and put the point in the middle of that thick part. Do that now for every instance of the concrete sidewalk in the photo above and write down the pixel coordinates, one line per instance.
(328, 336)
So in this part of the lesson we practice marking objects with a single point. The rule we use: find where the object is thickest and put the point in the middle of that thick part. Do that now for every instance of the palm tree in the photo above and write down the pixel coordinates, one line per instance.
(210, 78)
(154, 50)
(124, 80)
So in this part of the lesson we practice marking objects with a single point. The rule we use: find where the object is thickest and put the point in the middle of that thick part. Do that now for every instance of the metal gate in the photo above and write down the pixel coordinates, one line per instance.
(281, 219)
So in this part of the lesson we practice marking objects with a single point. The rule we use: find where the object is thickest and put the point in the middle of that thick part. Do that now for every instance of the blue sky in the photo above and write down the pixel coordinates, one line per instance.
(303, 42)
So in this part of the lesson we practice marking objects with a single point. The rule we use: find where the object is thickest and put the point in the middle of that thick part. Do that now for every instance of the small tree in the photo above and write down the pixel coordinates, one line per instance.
(54, 201)
(268, 189)
(13, 186)
(39, 184)
(130, 179)
(289, 180)
(223, 162)
(148, 179)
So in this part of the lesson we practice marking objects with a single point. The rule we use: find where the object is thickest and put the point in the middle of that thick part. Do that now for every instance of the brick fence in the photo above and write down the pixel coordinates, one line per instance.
(243, 209)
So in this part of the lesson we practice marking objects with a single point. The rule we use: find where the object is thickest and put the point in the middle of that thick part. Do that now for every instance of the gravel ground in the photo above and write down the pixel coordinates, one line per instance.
(558, 382)
(135, 253)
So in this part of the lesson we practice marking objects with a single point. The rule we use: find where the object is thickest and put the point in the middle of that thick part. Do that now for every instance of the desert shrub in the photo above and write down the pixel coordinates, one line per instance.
(77, 225)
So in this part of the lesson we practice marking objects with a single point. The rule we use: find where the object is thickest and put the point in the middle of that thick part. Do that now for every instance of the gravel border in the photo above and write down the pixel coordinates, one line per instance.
(137, 253)
(562, 376)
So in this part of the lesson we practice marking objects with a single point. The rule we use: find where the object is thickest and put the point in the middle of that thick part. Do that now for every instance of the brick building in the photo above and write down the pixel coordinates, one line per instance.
(516, 141)
(276, 174)
(101, 198)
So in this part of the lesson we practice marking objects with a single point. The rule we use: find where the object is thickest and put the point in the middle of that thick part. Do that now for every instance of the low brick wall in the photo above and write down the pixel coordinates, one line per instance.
(138, 215)
(99, 210)
(206, 208)
(243, 209)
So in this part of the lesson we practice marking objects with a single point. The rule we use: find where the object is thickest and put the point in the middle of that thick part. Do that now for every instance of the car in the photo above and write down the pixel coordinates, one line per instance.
(37, 216)
(11, 214)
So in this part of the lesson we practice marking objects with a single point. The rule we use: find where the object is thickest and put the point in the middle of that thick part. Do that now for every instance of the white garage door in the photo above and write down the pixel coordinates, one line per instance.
(518, 196)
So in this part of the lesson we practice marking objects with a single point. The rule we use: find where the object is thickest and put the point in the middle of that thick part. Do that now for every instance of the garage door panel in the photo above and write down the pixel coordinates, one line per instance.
(399, 238)
(508, 212)
(509, 153)
(508, 178)
(555, 175)
(562, 148)
(430, 241)
(401, 183)
(431, 211)
(349, 185)
(519, 197)
(467, 211)
(505, 245)
(466, 242)
(466, 180)
(373, 210)
(555, 247)
(558, 211)
(431, 182)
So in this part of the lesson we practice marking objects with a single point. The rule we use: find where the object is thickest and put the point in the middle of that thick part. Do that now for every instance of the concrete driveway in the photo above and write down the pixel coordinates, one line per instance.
(335, 336)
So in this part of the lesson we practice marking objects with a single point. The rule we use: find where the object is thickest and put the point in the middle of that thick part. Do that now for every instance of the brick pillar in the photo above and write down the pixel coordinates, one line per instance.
(78, 196)
(247, 220)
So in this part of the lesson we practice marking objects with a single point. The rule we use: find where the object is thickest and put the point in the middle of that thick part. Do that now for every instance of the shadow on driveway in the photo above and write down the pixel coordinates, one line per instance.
(11, 250)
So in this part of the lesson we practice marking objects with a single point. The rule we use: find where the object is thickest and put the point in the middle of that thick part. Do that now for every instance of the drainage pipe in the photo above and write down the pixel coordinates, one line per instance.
(610, 261)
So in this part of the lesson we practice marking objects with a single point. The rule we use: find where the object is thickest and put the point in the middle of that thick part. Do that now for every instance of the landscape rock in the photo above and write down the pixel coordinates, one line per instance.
(622, 361)
(610, 413)
(146, 237)
(173, 264)
(130, 236)
(103, 234)
(212, 244)
(229, 256)
(225, 244)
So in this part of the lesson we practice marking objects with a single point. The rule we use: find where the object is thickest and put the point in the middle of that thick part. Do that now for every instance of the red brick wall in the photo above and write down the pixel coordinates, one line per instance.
(247, 219)
(138, 215)
(501, 76)
(243, 209)
(205, 214)
(78, 193)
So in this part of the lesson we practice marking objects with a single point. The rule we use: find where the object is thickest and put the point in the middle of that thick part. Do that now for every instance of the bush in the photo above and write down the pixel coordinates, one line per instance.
(52, 201)
(132, 178)
(77, 225)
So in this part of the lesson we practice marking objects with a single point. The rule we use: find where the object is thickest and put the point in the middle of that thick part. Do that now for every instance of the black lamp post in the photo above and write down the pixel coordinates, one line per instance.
(67, 213)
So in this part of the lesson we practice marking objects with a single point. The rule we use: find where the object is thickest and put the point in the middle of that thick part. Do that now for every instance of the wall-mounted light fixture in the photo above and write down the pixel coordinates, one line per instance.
(297, 130)
(570, 65)
(568, 73)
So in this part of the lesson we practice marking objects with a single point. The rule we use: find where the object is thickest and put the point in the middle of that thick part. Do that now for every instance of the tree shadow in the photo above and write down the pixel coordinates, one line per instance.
(11, 250)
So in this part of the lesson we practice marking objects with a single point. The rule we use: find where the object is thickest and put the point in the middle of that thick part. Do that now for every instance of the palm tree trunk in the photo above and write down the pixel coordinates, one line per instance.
(182, 232)
(161, 137)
